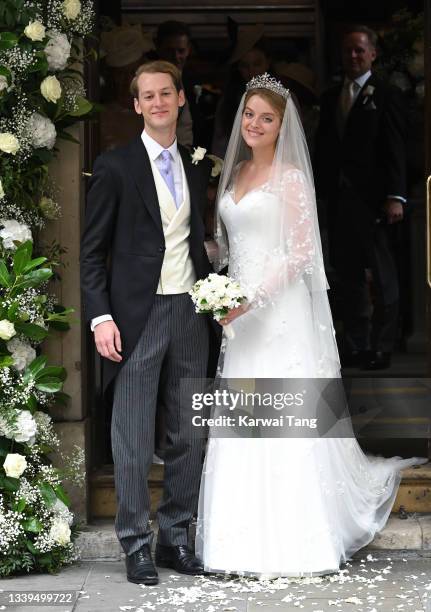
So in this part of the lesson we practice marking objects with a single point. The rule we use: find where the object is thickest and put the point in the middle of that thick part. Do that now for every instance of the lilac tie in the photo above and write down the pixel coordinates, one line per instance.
(165, 168)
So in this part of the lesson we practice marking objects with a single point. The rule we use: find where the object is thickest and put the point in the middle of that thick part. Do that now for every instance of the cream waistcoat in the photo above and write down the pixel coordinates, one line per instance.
(177, 274)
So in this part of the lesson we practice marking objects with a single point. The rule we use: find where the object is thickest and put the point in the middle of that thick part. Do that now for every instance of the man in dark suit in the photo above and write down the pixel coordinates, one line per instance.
(174, 44)
(142, 250)
(361, 174)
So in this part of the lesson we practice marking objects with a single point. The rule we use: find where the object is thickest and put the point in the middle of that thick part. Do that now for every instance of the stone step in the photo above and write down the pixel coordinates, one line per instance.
(414, 494)
(98, 542)
(103, 502)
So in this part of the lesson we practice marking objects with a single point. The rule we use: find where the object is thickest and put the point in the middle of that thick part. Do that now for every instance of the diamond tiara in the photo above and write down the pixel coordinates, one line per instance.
(266, 81)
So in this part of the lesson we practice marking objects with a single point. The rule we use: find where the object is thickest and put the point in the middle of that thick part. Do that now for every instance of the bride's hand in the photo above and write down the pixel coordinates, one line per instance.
(234, 313)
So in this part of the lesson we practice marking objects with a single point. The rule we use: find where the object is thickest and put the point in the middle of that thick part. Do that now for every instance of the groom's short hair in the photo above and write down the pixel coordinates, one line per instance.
(153, 68)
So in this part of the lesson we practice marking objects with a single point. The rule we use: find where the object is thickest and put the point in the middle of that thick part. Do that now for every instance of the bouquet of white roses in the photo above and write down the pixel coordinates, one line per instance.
(217, 294)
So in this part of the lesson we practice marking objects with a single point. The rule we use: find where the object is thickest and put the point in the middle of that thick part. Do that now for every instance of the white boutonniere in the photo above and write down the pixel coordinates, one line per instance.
(198, 155)
(368, 93)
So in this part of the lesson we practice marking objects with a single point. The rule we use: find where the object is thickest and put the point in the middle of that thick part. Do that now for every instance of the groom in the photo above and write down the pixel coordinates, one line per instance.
(142, 250)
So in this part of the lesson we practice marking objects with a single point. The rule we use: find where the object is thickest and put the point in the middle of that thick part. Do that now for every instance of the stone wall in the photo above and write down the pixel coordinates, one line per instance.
(72, 423)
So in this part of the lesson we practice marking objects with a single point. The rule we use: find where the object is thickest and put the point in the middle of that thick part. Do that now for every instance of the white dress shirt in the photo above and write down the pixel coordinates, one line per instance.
(154, 149)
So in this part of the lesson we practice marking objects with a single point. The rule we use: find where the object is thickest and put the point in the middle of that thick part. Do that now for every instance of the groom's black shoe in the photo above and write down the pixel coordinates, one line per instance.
(140, 567)
(180, 558)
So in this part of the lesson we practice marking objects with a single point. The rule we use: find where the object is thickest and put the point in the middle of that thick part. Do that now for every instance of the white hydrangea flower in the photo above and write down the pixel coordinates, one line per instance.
(57, 50)
(71, 8)
(3, 82)
(9, 143)
(42, 131)
(14, 465)
(50, 88)
(7, 329)
(22, 353)
(12, 230)
(60, 531)
(35, 31)
(26, 427)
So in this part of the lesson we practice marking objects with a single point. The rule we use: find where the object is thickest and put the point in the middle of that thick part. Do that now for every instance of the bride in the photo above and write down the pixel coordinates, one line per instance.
(294, 506)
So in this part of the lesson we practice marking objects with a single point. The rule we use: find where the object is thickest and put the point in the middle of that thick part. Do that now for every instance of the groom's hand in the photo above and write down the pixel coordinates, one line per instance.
(108, 340)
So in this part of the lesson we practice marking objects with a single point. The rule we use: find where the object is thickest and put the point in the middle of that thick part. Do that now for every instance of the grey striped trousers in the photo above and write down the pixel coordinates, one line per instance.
(173, 345)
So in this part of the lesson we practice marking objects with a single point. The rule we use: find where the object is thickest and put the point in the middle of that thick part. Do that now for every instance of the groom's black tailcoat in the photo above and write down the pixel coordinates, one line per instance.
(123, 244)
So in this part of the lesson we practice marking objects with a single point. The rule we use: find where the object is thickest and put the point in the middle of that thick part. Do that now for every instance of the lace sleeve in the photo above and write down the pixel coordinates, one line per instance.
(295, 255)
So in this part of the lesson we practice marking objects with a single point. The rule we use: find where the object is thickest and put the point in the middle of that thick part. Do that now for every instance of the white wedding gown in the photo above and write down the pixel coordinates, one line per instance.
(283, 507)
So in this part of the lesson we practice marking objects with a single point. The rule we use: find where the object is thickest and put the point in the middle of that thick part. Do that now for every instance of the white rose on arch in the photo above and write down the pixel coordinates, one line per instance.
(13, 231)
(9, 143)
(57, 50)
(14, 465)
(7, 329)
(35, 31)
(71, 8)
(50, 88)
(42, 131)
